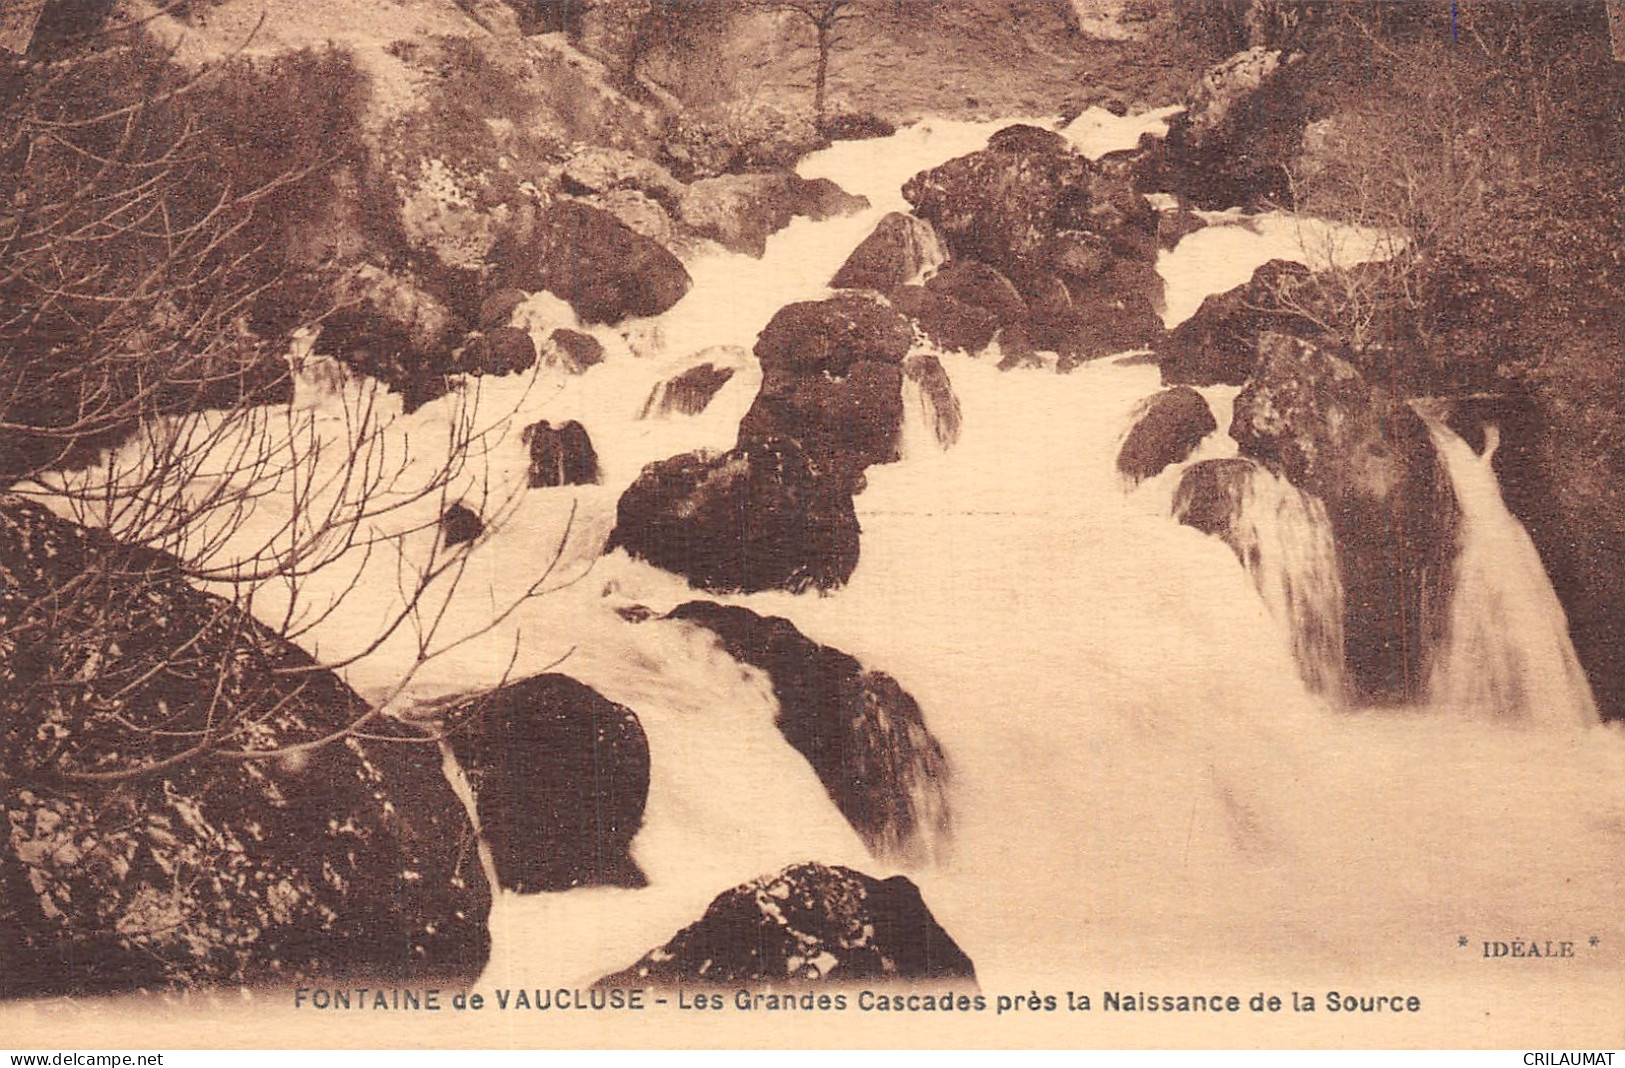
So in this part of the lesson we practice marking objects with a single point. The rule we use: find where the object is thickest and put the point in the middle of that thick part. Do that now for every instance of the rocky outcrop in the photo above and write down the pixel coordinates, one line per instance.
(1312, 418)
(460, 524)
(596, 169)
(1241, 128)
(1168, 427)
(497, 308)
(577, 351)
(560, 776)
(947, 322)
(606, 271)
(1075, 244)
(761, 516)
(640, 213)
(980, 286)
(741, 211)
(560, 456)
(505, 350)
(807, 924)
(1210, 497)
(180, 804)
(392, 329)
(898, 250)
(832, 380)
(1115, 313)
(829, 336)
(756, 138)
(862, 733)
(1219, 344)
(1000, 206)
(688, 393)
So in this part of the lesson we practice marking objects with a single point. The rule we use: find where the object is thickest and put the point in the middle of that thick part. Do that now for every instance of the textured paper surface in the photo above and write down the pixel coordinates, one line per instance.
(1469, 993)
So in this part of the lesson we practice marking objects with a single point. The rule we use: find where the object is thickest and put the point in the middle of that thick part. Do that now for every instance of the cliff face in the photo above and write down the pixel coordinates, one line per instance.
(905, 60)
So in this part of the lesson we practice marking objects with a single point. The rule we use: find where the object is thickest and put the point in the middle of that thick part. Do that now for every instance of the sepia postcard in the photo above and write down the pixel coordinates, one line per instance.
(812, 524)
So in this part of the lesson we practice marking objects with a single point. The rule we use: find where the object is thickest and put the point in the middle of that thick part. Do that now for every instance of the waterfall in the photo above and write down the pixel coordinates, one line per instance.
(688, 393)
(1506, 653)
(930, 408)
(1142, 783)
(1283, 538)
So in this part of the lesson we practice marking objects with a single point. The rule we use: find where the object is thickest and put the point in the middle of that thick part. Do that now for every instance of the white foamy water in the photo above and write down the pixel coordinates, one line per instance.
(1142, 785)
(1506, 652)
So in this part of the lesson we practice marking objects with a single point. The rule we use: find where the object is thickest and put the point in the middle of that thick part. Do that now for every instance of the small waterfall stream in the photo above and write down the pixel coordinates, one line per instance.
(1506, 654)
(1282, 537)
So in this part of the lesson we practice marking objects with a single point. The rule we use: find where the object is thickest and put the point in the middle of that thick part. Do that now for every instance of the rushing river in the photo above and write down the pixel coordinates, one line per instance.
(1141, 780)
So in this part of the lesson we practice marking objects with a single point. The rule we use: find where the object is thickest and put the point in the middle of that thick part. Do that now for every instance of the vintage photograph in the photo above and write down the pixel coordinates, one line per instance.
(815, 523)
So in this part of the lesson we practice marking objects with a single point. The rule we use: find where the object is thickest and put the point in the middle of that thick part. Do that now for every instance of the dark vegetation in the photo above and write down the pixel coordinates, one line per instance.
(164, 229)
(1488, 135)
(148, 230)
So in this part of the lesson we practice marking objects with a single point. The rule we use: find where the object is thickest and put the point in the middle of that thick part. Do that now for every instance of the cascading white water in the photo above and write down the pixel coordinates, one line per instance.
(1284, 539)
(931, 415)
(1506, 653)
(1142, 784)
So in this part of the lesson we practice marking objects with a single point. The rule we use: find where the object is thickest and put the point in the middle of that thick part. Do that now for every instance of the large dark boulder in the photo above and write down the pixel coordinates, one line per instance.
(188, 799)
(947, 322)
(497, 308)
(1075, 244)
(832, 379)
(829, 336)
(1023, 137)
(560, 776)
(1031, 207)
(980, 286)
(899, 248)
(688, 393)
(606, 271)
(1113, 313)
(460, 523)
(1312, 418)
(762, 516)
(1168, 427)
(1001, 205)
(848, 422)
(1219, 344)
(561, 456)
(862, 733)
(577, 351)
(1211, 498)
(807, 924)
(504, 350)
(1121, 216)
(741, 211)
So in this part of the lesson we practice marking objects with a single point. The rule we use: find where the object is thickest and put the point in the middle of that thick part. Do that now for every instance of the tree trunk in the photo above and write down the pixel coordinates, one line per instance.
(825, 43)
